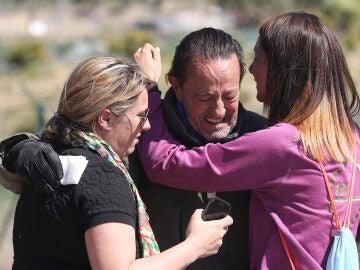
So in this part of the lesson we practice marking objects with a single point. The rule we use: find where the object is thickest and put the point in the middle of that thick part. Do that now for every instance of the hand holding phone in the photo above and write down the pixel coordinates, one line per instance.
(216, 208)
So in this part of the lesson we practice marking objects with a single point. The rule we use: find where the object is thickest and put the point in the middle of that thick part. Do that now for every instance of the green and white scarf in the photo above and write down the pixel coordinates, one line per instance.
(66, 132)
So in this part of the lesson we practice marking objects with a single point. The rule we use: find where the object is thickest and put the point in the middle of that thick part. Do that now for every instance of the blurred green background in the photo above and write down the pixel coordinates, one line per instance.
(42, 40)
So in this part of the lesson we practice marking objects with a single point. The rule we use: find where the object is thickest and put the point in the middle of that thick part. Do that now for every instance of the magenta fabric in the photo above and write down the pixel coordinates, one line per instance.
(288, 187)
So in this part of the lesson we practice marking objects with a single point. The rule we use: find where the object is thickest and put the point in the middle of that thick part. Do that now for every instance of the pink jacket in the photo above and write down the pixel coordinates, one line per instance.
(288, 187)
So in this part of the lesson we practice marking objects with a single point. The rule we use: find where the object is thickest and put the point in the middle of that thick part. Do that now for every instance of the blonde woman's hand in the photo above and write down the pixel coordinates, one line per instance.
(206, 236)
(149, 59)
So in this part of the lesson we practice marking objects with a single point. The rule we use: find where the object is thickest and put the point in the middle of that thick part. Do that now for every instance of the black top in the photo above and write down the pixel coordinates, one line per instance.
(170, 209)
(49, 228)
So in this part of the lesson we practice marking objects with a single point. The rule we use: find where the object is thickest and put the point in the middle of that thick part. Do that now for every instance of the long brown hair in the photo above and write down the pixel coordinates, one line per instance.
(309, 84)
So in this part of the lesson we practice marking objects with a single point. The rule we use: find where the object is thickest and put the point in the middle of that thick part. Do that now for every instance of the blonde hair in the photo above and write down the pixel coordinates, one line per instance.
(325, 135)
(98, 83)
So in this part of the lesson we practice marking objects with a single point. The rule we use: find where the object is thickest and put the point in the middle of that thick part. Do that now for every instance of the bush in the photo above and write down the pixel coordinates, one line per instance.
(343, 17)
(25, 53)
(339, 14)
(130, 42)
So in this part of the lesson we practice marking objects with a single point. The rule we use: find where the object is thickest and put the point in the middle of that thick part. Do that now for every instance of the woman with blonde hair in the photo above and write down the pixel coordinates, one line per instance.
(311, 143)
(96, 218)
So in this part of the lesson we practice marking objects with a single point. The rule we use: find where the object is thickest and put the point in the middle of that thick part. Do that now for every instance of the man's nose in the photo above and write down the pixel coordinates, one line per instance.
(219, 107)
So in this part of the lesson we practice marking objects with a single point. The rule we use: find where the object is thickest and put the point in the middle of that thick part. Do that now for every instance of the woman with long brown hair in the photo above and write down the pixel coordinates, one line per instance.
(304, 82)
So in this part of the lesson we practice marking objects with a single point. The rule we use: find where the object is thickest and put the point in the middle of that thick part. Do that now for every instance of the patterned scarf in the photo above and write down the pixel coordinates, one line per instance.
(64, 131)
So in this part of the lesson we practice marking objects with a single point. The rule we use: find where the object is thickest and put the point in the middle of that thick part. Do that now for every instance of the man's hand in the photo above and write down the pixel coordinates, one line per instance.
(149, 60)
(9, 143)
(37, 162)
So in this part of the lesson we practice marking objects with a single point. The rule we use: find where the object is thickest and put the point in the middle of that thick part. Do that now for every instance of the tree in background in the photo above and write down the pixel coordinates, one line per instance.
(341, 15)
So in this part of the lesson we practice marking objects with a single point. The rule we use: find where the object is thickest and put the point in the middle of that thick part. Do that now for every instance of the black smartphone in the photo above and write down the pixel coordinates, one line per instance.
(216, 208)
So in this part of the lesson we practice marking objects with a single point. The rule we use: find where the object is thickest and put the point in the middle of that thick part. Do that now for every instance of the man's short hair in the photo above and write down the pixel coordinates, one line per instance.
(208, 44)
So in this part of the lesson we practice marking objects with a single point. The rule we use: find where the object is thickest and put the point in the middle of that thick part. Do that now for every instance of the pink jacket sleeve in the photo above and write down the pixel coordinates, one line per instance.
(250, 162)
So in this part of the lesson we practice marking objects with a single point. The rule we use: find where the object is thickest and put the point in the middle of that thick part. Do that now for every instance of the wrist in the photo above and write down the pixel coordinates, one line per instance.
(194, 250)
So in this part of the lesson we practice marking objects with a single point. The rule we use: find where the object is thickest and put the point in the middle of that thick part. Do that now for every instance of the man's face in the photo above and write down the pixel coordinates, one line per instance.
(210, 94)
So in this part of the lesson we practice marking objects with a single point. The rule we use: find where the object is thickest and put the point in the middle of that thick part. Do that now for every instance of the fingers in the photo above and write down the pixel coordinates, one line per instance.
(198, 212)
(149, 49)
(156, 54)
(228, 220)
(223, 223)
(149, 60)
(207, 236)
(137, 54)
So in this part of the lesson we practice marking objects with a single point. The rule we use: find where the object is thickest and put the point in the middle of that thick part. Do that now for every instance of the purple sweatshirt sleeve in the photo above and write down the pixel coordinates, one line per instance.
(249, 162)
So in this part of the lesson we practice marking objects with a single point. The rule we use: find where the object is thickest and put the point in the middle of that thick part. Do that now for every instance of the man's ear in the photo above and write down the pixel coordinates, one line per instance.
(104, 120)
(175, 84)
